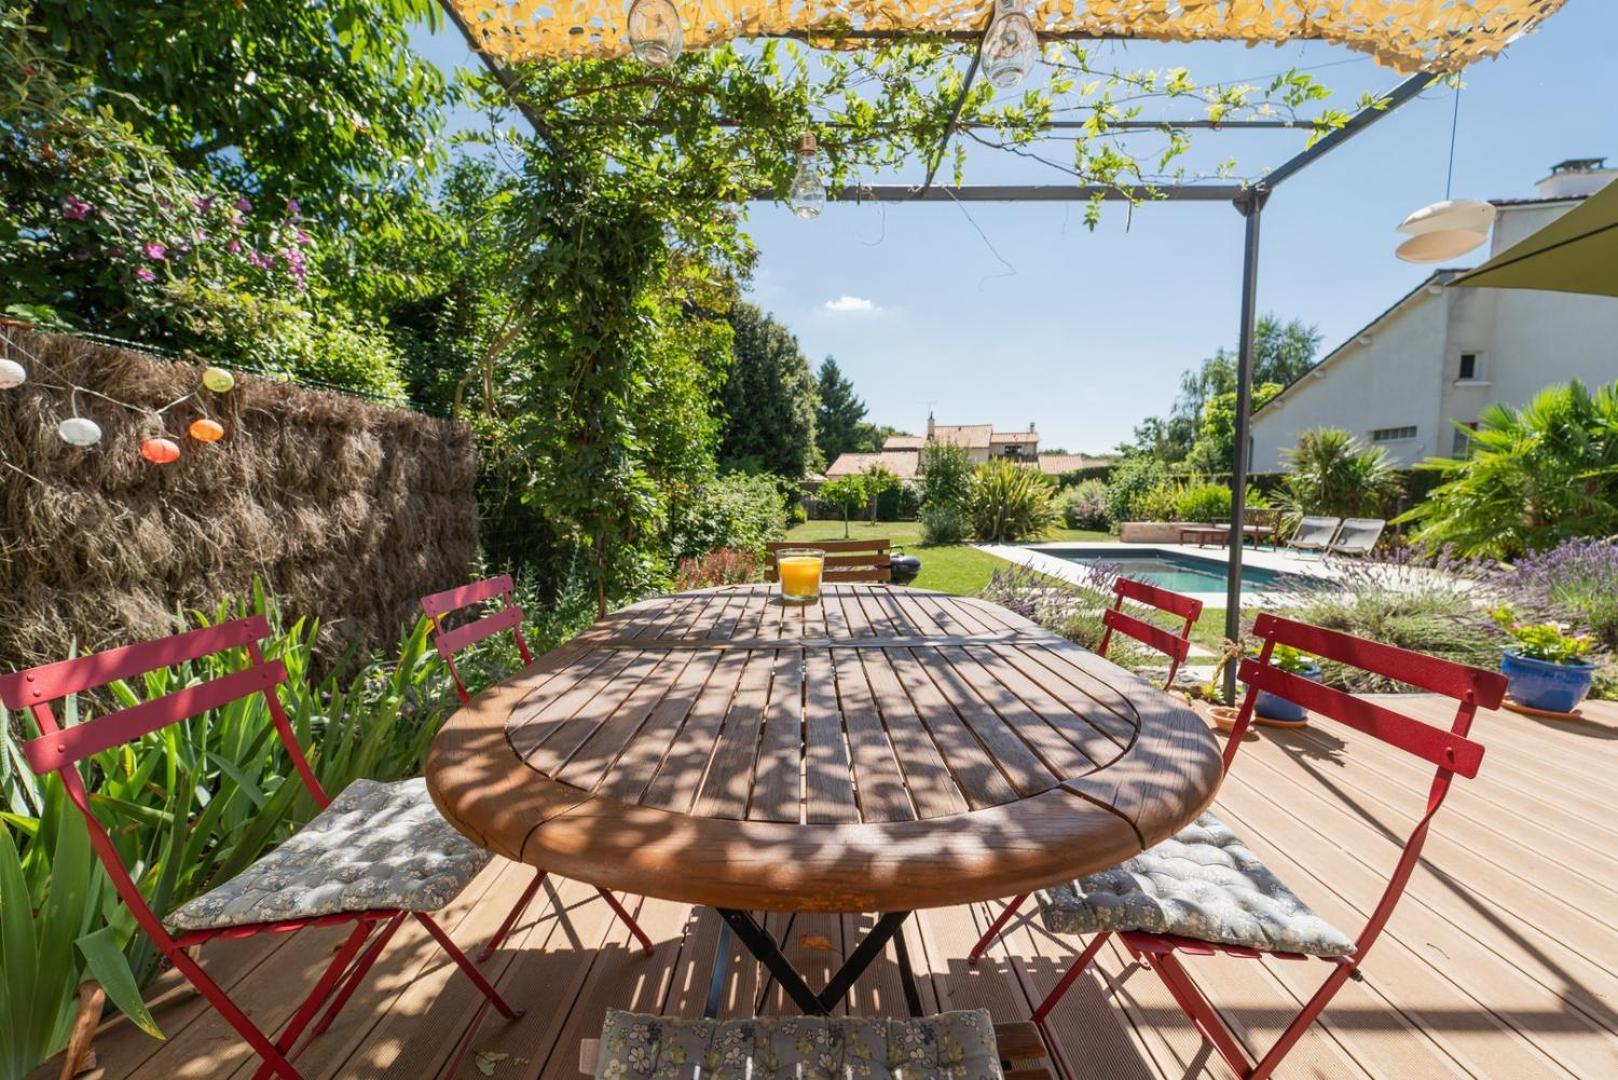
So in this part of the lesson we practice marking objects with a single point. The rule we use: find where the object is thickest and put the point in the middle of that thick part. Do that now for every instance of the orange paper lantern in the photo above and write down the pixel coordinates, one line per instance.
(160, 451)
(206, 430)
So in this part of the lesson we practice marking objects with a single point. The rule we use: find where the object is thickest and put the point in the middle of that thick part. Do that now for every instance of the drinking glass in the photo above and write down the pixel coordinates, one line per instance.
(799, 570)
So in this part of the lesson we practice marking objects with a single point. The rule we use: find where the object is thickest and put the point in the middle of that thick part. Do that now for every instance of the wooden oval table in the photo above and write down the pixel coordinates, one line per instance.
(883, 750)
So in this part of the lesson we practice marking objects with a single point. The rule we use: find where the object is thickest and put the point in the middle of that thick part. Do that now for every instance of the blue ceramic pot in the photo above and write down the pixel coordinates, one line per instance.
(1273, 707)
(1540, 684)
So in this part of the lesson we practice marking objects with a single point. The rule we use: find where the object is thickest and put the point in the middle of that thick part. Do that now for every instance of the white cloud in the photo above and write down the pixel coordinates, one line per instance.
(851, 305)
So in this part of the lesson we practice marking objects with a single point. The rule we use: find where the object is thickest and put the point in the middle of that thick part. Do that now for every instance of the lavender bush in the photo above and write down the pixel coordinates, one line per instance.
(1575, 583)
(1071, 609)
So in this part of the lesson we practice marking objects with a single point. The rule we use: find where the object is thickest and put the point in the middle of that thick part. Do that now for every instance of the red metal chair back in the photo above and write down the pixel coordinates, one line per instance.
(1450, 751)
(1175, 646)
(59, 749)
(449, 642)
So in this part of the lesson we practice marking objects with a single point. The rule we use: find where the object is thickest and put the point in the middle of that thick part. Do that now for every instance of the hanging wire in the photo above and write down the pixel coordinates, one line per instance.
(1454, 125)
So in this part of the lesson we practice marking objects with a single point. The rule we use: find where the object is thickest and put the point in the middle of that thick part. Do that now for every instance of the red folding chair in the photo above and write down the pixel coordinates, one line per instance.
(1175, 646)
(421, 875)
(1451, 752)
(508, 616)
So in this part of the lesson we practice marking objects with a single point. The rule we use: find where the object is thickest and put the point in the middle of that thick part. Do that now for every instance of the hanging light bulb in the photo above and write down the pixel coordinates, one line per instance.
(12, 374)
(218, 380)
(160, 451)
(1011, 47)
(655, 36)
(1445, 230)
(808, 194)
(205, 430)
(79, 431)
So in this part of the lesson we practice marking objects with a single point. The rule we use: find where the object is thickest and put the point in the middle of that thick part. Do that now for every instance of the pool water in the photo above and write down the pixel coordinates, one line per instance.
(1167, 569)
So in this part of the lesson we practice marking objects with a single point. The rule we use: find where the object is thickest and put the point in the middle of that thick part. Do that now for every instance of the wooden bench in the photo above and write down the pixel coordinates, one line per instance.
(846, 560)
(1022, 1052)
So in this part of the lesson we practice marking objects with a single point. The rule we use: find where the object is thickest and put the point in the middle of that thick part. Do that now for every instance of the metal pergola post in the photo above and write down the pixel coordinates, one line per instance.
(1251, 206)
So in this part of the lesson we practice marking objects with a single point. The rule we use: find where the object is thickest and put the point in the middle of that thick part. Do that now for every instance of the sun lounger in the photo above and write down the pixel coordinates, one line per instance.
(1314, 534)
(1357, 536)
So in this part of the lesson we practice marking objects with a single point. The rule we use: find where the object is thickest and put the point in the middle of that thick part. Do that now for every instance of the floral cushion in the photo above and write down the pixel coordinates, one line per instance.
(1201, 883)
(377, 846)
(949, 1046)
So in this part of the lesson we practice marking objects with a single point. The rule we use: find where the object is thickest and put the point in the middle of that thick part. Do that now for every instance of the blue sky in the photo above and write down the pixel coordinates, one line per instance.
(1011, 314)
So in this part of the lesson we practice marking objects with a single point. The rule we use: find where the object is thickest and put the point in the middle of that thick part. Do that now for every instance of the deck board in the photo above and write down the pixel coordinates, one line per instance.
(1502, 961)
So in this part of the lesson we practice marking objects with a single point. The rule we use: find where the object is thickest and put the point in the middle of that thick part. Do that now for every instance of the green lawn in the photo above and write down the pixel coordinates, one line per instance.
(958, 568)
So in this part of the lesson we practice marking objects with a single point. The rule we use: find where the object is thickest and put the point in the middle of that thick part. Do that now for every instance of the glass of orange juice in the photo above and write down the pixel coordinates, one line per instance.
(800, 570)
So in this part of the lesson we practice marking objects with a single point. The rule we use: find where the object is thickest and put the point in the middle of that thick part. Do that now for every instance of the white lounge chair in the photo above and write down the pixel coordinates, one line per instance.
(1357, 536)
(1315, 534)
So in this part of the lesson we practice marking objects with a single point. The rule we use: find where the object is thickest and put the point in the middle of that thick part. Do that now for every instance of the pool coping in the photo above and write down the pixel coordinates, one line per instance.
(1036, 556)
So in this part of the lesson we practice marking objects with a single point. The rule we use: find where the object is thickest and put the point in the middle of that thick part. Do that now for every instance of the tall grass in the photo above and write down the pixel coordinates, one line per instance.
(187, 807)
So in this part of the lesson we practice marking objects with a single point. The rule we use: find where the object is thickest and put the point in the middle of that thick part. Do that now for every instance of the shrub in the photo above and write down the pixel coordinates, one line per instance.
(946, 475)
(738, 510)
(944, 525)
(1160, 502)
(1203, 501)
(1536, 476)
(1129, 481)
(1414, 603)
(1070, 609)
(723, 567)
(1576, 581)
(1332, 474)
(1084, 506)
(1010, 502)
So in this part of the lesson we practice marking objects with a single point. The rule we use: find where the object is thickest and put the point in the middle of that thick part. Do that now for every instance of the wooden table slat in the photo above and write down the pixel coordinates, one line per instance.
(778, 777)
(881, 781)
(828, 776)
(729, 783)
(679, 777)
(941, 688)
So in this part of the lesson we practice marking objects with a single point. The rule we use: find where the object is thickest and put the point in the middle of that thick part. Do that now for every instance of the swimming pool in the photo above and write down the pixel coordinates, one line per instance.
(1168, 569)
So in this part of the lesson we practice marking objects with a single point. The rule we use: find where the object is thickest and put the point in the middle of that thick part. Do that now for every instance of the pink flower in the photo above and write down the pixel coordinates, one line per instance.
(244, 205)
(145, 275)
(234, 247)
(293, 207)
(203, 204)
(156, 251)
(303, 239)
(75, 208)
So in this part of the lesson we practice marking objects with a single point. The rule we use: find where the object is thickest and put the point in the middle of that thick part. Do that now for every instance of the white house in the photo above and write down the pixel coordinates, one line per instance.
(1439, 355)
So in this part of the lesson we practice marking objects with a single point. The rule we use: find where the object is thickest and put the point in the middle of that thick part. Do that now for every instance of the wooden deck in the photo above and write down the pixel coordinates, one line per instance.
(1502, 960)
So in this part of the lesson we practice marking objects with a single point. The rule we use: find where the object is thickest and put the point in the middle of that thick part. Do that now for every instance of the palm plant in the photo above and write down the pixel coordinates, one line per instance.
(1010, 502)
(1333, 474)
(1536, 476)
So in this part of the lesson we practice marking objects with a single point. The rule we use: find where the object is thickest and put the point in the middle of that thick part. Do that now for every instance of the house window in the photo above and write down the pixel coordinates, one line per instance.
(1470, 369)
(1461, 446)
(1393, 434)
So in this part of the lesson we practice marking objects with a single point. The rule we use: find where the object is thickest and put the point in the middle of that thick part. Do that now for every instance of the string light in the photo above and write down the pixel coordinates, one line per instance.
(807, 194)
(655, 36)
(79, 431)
(1011, 47)
(12, 374)
(159, 450)
(218, 380)
(206, 430)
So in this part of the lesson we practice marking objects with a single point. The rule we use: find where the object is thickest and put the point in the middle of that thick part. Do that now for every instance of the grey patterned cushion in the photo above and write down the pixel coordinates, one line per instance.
(376, 846)
(949, 1046)
(1200, 883)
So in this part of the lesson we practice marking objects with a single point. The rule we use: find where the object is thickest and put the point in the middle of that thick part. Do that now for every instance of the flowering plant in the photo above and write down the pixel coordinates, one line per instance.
(1544, 641)
(1577, 580)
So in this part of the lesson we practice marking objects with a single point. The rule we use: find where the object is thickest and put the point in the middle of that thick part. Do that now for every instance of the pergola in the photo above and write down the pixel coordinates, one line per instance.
(1422, 39)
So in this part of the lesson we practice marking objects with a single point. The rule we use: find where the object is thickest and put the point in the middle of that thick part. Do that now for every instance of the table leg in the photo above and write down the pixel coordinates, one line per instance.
(721, 964)
(767, 951)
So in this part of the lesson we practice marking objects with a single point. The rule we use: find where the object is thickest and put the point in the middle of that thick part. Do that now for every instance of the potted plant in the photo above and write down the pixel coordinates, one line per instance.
(1277, 710)
(1549, 670)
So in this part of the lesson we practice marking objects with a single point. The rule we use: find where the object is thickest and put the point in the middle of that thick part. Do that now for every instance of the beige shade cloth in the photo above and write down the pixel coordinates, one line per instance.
(1576, 253)
(1407, 35)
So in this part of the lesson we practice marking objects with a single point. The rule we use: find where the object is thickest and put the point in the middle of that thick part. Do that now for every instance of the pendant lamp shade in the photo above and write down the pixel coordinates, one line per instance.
(1440, 245)
(1468, 215)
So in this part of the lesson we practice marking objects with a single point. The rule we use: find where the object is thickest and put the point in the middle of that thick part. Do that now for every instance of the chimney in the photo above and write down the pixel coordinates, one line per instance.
(1030, 427)
(1575, 178)
(929, 425)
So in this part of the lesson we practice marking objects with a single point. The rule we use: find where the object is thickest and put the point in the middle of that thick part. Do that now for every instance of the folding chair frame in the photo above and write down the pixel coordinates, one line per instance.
(1175, 647)
(59, 750)
(1451, 752)
(449, 642)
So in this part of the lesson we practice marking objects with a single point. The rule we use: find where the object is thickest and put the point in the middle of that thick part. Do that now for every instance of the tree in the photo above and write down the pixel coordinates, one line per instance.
(1333, 474)
(837, 423)
(1535, 476)
(769, 399)
(849, 493)
(946, 476)
(1215, 448)
(878, 482)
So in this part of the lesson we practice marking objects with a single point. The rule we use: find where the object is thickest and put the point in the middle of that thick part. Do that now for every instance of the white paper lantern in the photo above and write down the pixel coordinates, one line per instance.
(1461, 215)
(1440, 245)
(12, 374)
(79, 431)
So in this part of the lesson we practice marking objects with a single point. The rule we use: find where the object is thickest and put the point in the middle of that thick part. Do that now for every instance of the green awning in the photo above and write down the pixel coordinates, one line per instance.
(1578, 253)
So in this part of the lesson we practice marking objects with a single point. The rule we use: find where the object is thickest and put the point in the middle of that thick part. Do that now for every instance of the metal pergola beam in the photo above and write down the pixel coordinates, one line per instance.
(977, 193)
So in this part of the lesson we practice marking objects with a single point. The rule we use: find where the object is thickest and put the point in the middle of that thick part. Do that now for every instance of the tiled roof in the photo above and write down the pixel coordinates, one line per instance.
(1014, 437)
(904, 442)
(901, 463)
(967, 435)
(1056, 464)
